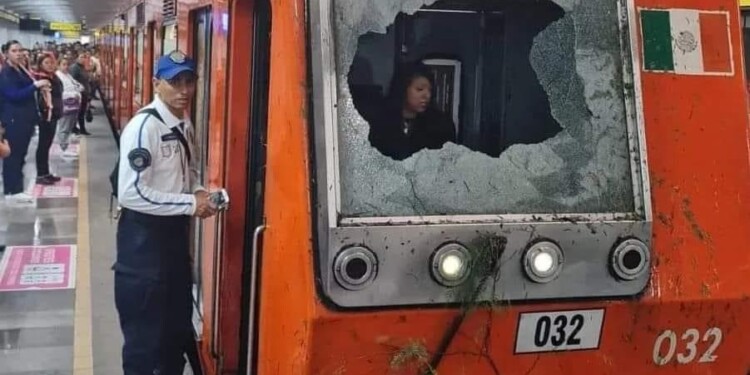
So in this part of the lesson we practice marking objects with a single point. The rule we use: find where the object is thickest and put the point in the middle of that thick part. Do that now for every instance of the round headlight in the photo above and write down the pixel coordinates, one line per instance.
(630, 259)
(450, 264)
(543, 261)
(355, 267)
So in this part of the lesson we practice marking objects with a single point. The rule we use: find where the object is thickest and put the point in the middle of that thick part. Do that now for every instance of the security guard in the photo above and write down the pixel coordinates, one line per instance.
(158, 191)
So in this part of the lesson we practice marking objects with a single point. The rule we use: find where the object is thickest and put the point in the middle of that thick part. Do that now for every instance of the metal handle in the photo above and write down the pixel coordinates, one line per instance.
(253, 293)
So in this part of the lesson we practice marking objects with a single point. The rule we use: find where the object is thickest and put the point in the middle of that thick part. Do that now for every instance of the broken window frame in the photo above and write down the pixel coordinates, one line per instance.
(326, 134)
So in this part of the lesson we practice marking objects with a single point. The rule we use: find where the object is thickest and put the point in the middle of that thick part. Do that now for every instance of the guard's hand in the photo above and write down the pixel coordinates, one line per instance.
(4, 149)
(203, 206)
(42, 83)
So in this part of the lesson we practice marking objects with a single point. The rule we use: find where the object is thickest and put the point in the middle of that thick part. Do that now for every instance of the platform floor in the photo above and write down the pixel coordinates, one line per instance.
(59, 253)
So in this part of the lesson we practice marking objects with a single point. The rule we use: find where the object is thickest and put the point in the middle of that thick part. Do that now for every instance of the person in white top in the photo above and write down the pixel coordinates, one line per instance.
(96, 73)
(158, 191)
(71, 105)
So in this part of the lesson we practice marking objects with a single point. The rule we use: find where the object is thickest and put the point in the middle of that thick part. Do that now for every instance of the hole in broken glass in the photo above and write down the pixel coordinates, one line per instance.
(454, 72)
(548, 135)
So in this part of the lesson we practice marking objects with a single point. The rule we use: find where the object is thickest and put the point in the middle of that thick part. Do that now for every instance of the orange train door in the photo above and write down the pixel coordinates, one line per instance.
(201, 30)
(119, 78)
(148, 63)
(140, 74)
(130, 73)
(255, 215)
(745, 23)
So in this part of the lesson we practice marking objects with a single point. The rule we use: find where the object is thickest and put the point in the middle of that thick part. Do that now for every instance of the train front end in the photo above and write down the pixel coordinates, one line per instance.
(589, 217)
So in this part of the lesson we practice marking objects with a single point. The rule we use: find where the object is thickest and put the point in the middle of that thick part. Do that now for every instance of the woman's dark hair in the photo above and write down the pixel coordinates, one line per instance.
(6, 46)
(43, 56)
(402, 78)
(64, 58)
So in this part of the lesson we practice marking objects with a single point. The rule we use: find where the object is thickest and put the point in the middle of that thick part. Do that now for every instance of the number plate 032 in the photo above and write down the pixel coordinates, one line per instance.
(559, 331)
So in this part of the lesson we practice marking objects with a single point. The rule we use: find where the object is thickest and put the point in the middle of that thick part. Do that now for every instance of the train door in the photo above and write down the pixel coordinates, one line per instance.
(167, 42)
(140, 72)
(124, 97)
(168, 38)
(130, 69)
(114, 80)
(122, 80)
(201, 28)
(745, 21)
(149, 62)
(255, 217)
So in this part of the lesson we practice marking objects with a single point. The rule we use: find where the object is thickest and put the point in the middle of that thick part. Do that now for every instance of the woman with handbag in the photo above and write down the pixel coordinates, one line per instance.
(71, 104)
(19, 114)
(50, 108)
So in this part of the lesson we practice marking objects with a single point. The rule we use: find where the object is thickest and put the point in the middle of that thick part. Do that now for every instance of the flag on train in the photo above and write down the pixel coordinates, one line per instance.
(685, 41)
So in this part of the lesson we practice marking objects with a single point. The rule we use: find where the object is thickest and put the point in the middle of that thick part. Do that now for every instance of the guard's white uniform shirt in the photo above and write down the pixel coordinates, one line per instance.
(165, 184)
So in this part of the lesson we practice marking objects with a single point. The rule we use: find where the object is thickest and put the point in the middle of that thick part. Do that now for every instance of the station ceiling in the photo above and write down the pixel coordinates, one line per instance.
(96, 12)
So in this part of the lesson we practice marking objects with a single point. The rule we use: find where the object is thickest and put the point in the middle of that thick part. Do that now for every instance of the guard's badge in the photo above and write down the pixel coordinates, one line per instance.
(140, 159)
(177, 57)
(170, 137)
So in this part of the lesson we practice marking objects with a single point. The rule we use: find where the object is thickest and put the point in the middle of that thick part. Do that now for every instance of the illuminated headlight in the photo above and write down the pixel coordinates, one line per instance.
(630, 259)
(543, 261)
(450, 265)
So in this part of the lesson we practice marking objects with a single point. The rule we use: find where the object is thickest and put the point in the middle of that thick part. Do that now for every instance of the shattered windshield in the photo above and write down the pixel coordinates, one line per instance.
(460, 107)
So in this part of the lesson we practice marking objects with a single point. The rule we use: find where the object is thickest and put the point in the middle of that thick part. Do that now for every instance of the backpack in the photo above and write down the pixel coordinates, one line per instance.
(114, 176)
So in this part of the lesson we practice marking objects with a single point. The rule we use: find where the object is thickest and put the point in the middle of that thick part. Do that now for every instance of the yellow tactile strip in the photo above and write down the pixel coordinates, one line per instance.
(83, 361)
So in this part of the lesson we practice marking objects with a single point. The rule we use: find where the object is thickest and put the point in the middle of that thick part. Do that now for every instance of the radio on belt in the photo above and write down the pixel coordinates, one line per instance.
(220, 199)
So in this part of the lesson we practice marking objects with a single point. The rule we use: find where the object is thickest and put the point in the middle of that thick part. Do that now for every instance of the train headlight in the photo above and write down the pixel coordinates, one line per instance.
(630, 259)
(355, 267)
(450, 265)
(543, 261)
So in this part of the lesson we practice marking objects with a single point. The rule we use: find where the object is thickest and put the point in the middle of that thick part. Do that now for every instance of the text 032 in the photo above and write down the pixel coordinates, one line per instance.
(559, 330)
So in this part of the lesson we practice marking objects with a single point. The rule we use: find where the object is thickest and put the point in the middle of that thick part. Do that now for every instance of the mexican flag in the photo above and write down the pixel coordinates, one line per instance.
(685, 41)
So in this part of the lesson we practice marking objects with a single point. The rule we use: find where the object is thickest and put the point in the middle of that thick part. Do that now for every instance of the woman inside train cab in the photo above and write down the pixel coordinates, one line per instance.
(410, 122)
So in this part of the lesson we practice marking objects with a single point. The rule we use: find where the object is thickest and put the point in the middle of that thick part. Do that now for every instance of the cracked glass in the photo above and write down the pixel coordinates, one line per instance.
(539, 108)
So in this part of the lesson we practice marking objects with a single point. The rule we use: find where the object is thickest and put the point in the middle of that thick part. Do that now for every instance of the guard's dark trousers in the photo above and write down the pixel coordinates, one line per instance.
(153, 293)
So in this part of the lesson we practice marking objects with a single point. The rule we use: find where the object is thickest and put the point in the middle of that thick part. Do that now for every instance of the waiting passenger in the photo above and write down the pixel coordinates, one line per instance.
(71, 105)
(50, 107)
(410, 122)
(81, 75)
(19, 115)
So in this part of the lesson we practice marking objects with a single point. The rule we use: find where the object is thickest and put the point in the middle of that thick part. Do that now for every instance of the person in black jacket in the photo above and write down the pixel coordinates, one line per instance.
(46, 67)
(410, 122)
(81, 75)
(19, 114)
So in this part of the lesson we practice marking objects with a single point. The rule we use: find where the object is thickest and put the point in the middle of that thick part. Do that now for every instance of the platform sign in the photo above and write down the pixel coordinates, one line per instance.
(66, 188)
(38, 268)
(65, 26)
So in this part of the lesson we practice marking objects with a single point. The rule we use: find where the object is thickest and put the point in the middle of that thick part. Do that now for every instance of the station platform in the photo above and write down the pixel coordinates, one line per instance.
(57, 312)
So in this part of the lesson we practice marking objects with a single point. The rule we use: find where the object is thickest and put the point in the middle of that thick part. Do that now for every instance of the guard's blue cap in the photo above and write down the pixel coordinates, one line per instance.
(169, 66)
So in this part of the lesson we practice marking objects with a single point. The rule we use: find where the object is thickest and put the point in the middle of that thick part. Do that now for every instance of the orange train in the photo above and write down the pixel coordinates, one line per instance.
(589, 217)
